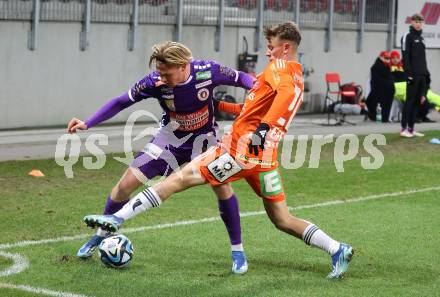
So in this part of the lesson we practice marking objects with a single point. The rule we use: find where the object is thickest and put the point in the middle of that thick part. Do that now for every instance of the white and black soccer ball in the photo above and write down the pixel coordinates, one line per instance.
(116, 251)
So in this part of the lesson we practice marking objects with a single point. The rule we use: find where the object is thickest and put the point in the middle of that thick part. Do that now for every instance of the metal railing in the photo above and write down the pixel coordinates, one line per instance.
(274, 11)
(16, 10)
(198, 12)
(157, 11)
(60, 10)
(378, 11)
(346, 11)
(111, 11)
(241, 13)
(323, 14)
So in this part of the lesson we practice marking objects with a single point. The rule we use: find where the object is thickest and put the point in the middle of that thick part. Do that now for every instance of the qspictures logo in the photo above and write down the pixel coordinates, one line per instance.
(307, 151)
(431, 13)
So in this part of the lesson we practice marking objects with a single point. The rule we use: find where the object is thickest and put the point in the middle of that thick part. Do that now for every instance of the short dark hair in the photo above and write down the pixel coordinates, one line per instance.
(285, 31)
(417, 17)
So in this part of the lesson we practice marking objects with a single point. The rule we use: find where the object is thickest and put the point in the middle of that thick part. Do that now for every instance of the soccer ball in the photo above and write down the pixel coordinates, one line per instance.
(116, 251)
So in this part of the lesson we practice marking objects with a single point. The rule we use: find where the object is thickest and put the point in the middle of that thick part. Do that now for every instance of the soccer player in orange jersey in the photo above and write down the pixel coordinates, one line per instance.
(250, 151)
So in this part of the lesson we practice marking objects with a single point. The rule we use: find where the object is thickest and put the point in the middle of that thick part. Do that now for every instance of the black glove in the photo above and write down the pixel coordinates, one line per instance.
(258, 138)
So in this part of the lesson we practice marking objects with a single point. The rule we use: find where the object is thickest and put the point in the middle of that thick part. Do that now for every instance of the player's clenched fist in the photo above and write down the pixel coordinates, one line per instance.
(76, 124)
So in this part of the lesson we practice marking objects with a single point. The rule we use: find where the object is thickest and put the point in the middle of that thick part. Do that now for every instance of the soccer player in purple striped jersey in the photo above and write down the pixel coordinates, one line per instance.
(184, 89)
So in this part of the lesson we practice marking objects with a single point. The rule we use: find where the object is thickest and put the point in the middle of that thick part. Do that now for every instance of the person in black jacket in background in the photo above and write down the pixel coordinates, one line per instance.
(399, 75)
(425, 105)
(382, 87)
(414, 64)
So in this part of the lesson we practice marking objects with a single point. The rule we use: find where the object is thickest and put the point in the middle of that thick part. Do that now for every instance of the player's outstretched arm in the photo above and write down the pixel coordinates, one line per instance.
(228, 107)
(109, 110)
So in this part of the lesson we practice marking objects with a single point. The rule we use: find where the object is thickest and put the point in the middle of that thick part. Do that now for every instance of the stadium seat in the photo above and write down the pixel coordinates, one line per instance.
(333, 96)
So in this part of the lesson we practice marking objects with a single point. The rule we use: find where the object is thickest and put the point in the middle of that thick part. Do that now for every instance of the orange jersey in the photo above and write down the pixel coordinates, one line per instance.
(274, 100)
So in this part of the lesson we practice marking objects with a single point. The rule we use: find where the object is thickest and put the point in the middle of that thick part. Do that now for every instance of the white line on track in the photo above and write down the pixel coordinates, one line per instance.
(21, 263)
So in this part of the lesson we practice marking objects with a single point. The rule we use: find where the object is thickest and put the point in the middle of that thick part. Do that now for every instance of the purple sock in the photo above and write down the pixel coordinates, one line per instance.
(230, 214)
(112, 206)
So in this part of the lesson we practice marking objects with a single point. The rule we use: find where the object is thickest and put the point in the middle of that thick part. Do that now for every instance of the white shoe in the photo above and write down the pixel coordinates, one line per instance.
(406, 133)
(418, 134)
(239, 262)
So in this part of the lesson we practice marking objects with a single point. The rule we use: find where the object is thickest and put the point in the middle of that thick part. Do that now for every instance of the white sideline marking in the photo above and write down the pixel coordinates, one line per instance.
(212, 219)
(39, 290)
(21, 262)
(43, 241)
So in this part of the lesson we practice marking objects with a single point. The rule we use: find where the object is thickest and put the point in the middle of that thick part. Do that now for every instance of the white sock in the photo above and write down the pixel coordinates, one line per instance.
(237, 247)
(316, 237)
(146, 199)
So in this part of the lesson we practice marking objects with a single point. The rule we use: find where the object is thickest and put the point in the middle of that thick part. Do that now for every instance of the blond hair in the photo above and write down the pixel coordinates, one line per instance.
(170, 53)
